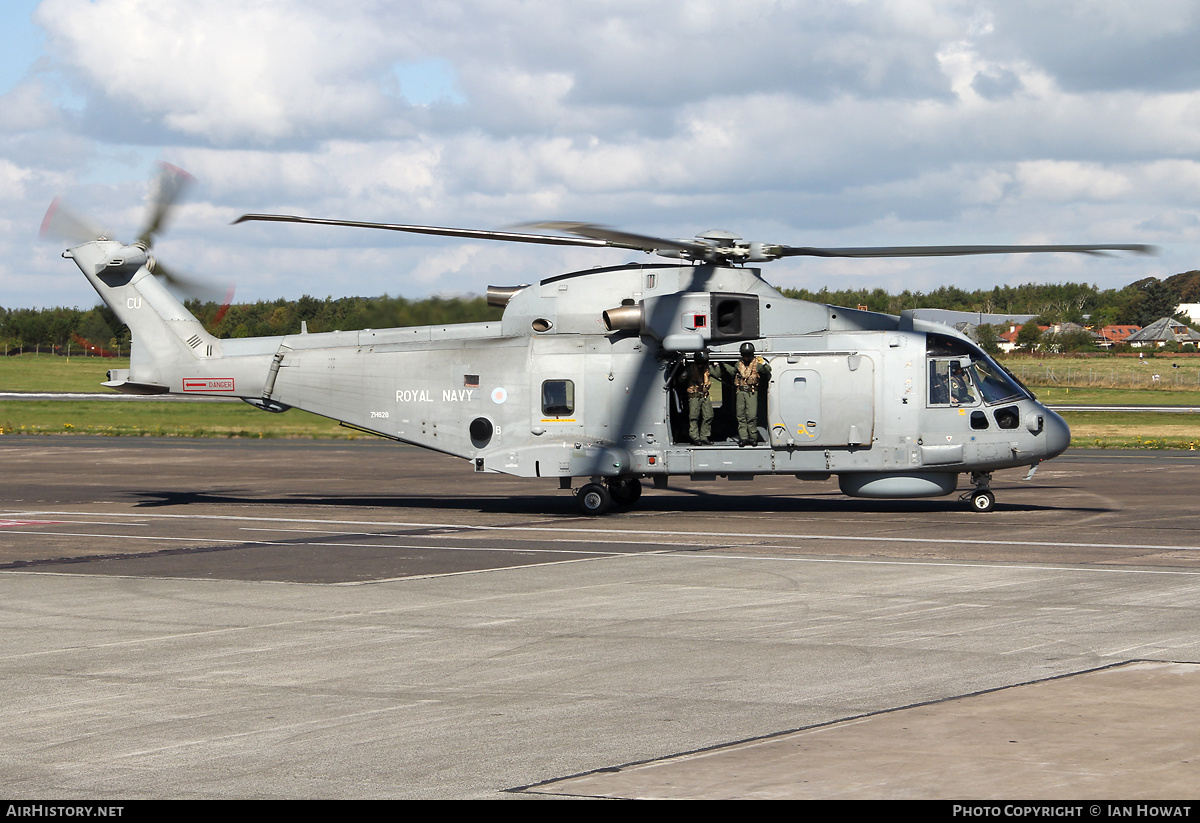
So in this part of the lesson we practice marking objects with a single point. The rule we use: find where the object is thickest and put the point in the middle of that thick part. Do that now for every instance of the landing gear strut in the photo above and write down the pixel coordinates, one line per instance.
(981, 498)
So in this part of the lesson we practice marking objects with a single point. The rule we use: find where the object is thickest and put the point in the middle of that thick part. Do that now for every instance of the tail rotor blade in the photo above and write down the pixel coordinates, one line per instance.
(62, 223)
(191, 287)
(168, 187)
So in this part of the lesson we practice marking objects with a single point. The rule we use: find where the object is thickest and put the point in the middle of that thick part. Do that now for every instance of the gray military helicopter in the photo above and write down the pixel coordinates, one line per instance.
(579, 379)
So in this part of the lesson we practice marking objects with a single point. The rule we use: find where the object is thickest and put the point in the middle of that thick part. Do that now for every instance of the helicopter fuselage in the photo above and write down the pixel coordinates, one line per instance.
(579, 380)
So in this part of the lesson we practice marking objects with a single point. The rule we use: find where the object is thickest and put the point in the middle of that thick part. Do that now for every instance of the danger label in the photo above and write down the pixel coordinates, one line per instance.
(208, 384)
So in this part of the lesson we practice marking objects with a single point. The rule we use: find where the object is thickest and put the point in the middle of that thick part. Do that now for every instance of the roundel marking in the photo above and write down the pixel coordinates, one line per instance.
(499, 395)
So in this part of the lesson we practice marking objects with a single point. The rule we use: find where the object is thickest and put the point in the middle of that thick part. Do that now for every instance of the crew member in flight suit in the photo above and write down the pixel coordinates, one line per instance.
(748, 374)
(960, 386)
(698, 378)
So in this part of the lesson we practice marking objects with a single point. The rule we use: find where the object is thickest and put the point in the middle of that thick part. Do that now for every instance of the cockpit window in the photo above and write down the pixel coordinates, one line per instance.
(960, 374)
(950, 384)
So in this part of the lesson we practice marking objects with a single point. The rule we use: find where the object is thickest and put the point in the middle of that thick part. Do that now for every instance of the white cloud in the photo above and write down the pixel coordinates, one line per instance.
(1059, 181)
(227, 70)
(795, 121)
(1097, 45)
(27, 108)
(12, 179)
(446, 265)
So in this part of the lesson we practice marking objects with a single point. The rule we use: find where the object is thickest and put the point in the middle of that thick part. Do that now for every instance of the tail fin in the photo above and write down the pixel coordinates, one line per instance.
(167, 338)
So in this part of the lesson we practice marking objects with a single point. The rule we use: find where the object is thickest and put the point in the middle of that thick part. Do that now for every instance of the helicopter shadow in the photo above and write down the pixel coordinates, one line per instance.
(828, 503)
(560, 505)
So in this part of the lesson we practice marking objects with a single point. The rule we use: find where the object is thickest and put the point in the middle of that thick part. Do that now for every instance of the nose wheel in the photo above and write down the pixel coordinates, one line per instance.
(982, 500)
(981, 497)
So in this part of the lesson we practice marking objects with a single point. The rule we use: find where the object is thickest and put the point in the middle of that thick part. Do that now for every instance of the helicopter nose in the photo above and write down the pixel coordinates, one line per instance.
(1057, 434)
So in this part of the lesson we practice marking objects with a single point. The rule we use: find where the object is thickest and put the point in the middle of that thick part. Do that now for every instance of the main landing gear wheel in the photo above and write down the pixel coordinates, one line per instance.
(983, 500)
(593, 499)
(625, 491)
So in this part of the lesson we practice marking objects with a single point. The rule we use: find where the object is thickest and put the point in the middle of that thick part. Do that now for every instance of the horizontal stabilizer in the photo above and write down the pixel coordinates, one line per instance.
(118, 379)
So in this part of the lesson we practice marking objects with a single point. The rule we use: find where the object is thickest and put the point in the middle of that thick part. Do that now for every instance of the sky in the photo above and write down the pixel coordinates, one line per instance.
(801, 122)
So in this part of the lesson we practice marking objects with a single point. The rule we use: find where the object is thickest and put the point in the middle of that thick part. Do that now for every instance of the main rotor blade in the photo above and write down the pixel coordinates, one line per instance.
(955, 251)
(620, 239)
(591, 234)
(476, 234)
(170, 183)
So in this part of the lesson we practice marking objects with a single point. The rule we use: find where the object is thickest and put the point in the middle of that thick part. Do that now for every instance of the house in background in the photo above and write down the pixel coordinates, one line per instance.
(1008, 339)
(1163, 331)
(1111, 335)
(1068, 328)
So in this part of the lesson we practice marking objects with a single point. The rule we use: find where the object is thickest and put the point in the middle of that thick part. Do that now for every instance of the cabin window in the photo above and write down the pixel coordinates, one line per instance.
(558, 398)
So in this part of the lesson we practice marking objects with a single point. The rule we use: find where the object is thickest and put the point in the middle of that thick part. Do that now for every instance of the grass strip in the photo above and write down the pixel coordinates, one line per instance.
(44, 372)
(150, 418)
(1133, 430)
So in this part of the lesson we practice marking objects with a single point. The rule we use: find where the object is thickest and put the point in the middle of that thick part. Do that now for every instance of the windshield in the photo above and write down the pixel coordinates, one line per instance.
(960, 374)
(994, 382)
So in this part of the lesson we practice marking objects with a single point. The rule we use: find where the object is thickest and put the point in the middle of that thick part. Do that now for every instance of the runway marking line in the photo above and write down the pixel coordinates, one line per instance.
(591, 556)
(952, 541)
(668, 550)
(284, 544)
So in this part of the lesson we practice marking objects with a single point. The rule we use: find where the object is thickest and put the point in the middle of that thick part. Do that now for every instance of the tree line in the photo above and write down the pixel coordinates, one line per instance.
(61, 328)
(1137, 304)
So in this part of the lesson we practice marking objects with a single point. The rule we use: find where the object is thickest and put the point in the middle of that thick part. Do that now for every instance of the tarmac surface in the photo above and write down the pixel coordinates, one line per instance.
(283, 619)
